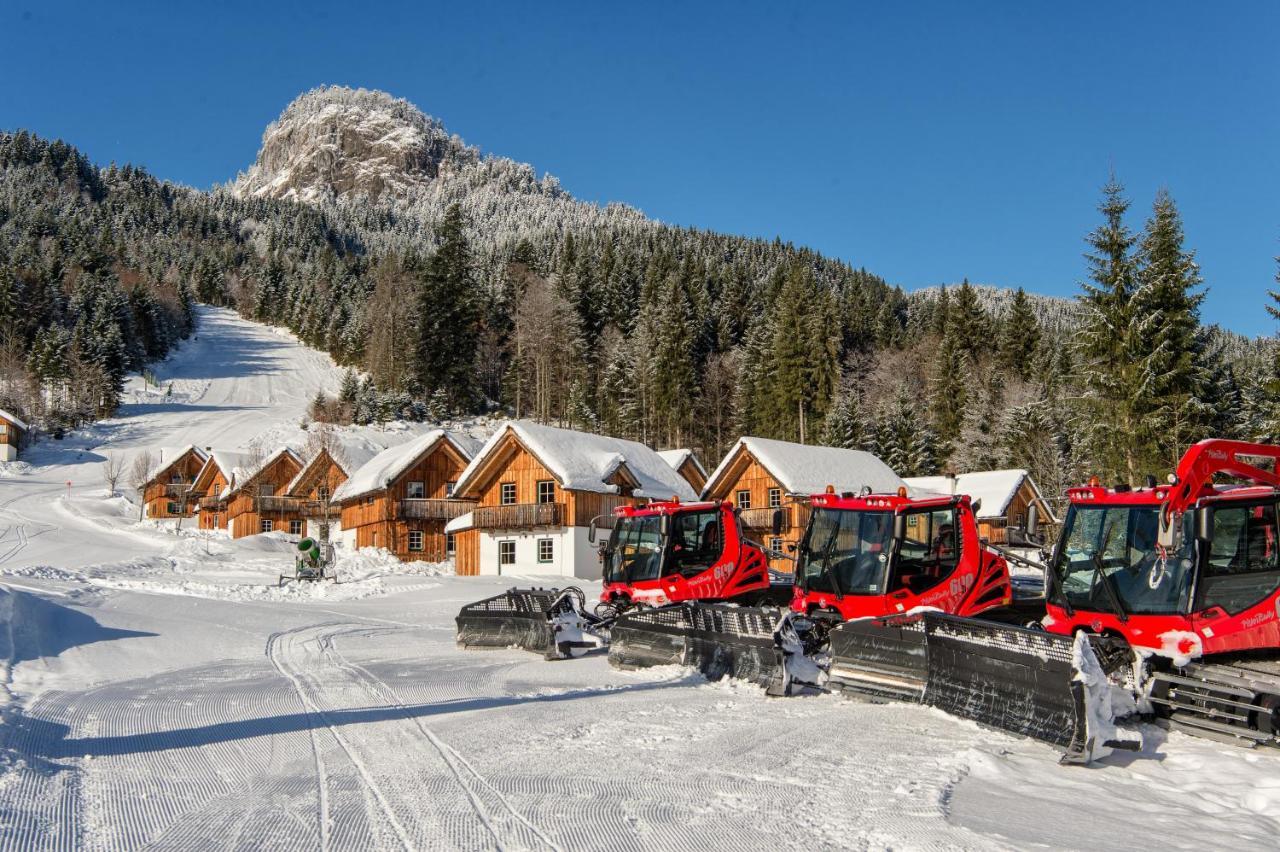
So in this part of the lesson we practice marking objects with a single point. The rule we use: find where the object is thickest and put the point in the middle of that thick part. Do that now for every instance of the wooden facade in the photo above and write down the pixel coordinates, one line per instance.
(514, 491)
(249, 510)
(206, 490)
(170, 492)
(996, 528)
(411, 527)
(756, 492)
(13, 436)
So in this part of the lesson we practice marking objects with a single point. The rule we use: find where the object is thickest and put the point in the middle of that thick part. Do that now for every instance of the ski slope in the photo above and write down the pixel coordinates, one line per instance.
(160, 691)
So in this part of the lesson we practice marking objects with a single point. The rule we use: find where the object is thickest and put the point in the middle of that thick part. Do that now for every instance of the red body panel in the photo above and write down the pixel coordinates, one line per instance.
(742, 568)
(979, 582)
(1210, 631)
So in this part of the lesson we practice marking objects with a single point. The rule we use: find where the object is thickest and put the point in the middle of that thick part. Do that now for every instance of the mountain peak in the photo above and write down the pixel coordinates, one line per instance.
(337, 142)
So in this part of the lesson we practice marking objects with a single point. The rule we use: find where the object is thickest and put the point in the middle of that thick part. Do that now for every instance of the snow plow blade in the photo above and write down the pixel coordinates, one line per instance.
(719, 640)
(517, 618)
(880, 658)
(1025, 681)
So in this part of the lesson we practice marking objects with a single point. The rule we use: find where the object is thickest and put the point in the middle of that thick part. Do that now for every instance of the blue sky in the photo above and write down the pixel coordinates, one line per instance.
(927, 142)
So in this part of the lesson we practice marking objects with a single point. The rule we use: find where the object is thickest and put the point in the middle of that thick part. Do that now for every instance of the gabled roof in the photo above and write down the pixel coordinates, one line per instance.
(583, 461)
(677, 458)
(225, 461)
(389, 464)
(169, 456)
(804, 469)
(242, 476)
(13, 418)
(995, 488)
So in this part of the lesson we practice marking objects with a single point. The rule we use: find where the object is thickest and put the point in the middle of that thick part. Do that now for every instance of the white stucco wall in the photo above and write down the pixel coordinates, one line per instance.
(8, 452)
(573, 555)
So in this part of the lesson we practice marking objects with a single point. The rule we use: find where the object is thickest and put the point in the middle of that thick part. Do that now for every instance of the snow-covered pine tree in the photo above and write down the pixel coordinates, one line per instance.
(1020, 341)
(448, 318)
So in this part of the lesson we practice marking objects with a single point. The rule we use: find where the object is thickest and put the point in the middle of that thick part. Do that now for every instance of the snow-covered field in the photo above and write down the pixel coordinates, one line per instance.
(160, 691)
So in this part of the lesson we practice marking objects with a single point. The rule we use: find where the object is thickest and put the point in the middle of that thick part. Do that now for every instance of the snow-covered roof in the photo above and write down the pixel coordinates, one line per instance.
(13, 418)
(226, 461)
(393, 461)
(804, 469)
(460, 523)
(349, 458)
(583, 461)
(995, 488)
(247, 471)
(169, 456)
(676, 458)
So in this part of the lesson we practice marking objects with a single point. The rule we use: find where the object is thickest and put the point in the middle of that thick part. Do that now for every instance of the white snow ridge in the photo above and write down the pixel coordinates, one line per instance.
(161, 690)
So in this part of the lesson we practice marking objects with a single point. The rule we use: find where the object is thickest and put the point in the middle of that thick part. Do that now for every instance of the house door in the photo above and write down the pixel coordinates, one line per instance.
(506, 555)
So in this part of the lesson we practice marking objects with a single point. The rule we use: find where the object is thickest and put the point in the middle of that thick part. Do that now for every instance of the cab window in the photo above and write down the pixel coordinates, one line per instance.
(695, 543)
(930, 551)
(1243, 564)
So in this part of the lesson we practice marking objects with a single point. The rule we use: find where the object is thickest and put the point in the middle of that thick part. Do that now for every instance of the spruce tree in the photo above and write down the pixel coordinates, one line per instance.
(968, 322)
(449, 318)
(948, 391)
(1020, 342)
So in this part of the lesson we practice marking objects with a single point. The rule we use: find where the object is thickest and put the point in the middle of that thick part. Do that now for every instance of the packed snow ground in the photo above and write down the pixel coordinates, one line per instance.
(160, 690)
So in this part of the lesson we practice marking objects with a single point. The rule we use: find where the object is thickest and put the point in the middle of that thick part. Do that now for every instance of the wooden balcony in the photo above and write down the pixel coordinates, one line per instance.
(519, 516)
(177, 490)
(302, 507)
(433, 509)
(212, 503)
(762, 519)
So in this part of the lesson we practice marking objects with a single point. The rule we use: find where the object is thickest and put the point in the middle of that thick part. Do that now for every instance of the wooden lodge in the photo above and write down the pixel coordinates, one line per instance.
(212, 482)
(536, 490)
(686, 463)
(169, 492)
(248, 500)
(13, 435)
(1006, 497)
(761, 476)
(402, 498)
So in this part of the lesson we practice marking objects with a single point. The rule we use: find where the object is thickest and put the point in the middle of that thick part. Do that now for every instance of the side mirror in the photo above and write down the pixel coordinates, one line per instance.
(664, 525)
(1204, 523)
(975, 506)
(776, 522)
(899, 527)
(591, 529)
(1033, 521)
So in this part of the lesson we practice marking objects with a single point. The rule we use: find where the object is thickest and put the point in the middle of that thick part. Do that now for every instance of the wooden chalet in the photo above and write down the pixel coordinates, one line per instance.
(1006, 497)
(13, 435)
(249, 498)
(402, 498)
(308, 498)
(686, 463)
(536, 489)
(169, 494)
(761, 475)
(213, 480)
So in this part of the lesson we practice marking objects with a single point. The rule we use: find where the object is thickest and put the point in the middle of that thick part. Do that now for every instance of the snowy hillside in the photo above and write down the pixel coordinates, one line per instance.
(161, 692)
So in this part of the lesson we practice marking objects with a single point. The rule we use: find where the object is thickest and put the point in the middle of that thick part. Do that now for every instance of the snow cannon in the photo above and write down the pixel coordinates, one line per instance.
(550, 622)
(310, 563)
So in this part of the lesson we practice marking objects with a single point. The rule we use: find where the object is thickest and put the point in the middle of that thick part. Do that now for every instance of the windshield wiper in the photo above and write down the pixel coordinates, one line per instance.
(826, 562)
(1108, 583)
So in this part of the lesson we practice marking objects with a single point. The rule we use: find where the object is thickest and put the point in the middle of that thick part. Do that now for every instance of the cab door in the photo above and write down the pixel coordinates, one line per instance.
(925, 560)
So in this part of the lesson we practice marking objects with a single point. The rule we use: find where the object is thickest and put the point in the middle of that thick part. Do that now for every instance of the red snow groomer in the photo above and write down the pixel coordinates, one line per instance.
(864, 559)
(1188, 575)
(660, 553)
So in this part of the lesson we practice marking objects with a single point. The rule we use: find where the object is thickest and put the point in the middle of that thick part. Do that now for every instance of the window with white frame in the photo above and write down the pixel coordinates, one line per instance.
(775, 543)
(743, 499)
(415, 490)
(546, 491)
(546, 549)
(506, 553)
(295, 527)
(415, 540)
(775, 498)
(507, 495)
(450, 544)
(266, 525)
(173, 509)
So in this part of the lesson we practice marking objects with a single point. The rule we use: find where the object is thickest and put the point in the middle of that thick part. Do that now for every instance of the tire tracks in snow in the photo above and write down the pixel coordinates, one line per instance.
(401, 782)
